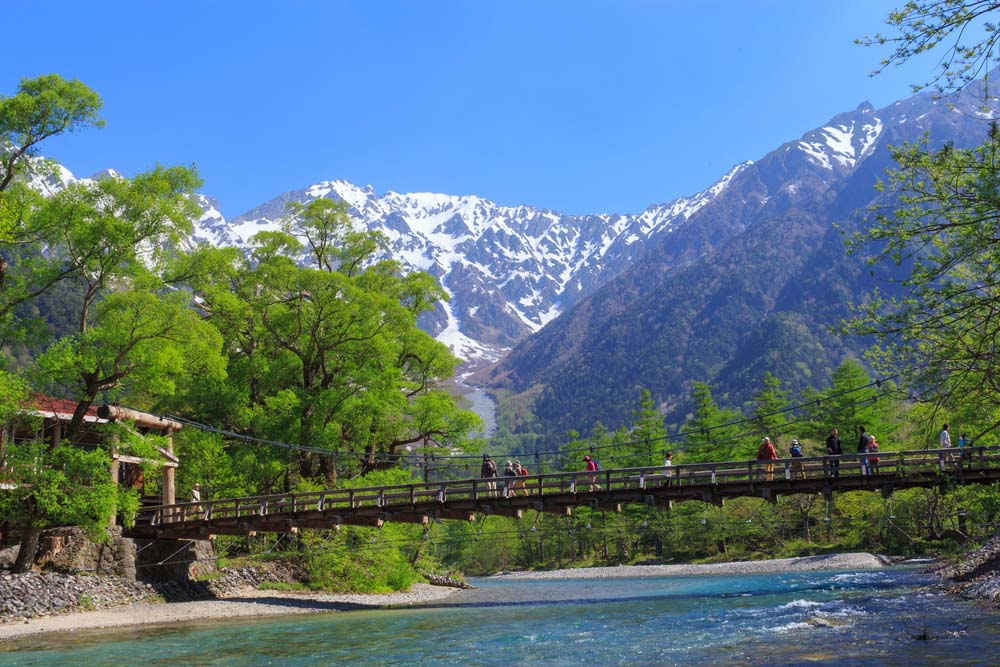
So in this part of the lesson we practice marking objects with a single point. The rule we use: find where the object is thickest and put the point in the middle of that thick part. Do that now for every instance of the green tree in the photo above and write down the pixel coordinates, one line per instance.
(967, 29)
(770, 405)
(648, 434)
(711, 433)
(42, 108)
(322, 339)
(118, 240)
(939, 335)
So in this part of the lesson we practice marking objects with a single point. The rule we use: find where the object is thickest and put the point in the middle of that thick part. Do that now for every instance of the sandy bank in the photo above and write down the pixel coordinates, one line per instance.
(849, 561)
(248, 604)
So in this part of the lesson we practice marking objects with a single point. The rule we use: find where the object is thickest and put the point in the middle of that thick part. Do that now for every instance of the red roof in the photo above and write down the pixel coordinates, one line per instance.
(49, 406)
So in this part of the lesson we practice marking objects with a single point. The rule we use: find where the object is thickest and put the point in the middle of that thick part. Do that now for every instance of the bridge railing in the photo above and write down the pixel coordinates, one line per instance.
(499, 489)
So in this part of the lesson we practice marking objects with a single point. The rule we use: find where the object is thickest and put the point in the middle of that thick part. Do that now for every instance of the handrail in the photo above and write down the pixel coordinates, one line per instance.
(892, 462)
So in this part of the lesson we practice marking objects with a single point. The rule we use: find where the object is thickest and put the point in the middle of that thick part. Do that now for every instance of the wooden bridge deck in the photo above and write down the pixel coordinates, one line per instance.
(558, 493)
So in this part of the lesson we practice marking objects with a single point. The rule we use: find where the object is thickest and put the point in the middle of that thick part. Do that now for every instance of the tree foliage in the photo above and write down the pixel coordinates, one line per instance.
(322, 339)
(946, 224)
(42, 108)
(967, 30)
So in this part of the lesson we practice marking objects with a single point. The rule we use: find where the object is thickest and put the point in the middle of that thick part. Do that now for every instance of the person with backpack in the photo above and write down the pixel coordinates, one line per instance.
(964, 444)
(834, 447)
(872, 460)
(508, 473)
(488, 471)
(862, 448)
(796, 453)
(522, 472)
(592, 467)
(768, 455)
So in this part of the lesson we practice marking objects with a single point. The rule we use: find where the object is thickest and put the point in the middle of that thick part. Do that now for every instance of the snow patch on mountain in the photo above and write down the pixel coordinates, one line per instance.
(845, 141)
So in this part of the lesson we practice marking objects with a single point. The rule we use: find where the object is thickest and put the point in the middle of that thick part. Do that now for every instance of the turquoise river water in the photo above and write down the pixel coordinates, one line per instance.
(690, 621)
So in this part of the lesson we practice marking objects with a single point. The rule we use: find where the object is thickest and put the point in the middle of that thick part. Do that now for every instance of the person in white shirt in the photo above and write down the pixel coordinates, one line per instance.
(196, 498)
(945, 437)
(668, 462)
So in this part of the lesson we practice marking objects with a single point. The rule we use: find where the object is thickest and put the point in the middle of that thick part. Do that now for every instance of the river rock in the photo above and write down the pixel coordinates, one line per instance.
(34, 594)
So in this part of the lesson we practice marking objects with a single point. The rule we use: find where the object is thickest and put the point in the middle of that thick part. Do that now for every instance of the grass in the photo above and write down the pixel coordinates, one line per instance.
(282, 586)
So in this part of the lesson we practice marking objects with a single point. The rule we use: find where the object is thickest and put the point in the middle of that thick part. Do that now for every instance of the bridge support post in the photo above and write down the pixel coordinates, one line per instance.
(713, 499)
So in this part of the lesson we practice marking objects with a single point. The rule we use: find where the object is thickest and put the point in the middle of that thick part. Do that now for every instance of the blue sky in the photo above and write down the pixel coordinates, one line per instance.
(580, 106)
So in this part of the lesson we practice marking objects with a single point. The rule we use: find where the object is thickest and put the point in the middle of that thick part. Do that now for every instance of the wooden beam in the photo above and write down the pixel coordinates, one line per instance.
(113, 412)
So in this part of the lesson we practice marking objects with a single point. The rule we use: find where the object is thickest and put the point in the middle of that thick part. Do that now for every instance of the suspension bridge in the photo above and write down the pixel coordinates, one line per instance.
(561, 492)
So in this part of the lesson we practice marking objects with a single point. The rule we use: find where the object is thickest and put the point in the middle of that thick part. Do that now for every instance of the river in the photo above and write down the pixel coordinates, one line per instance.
(692, 621)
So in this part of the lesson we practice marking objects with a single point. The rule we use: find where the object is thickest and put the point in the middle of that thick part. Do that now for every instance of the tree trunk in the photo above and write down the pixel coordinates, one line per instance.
(29, 546)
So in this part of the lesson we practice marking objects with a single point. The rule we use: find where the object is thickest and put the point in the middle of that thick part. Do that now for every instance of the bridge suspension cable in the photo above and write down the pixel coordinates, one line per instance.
(436, 458)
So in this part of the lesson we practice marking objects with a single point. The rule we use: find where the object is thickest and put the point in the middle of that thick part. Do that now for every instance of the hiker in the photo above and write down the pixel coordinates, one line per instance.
(767, 453)
(944, 442)
(872, 460)
(835, 448)
(965, 445)
(196, 498)
(592, 467)
(488, 471)
(862, 449)
(668, 463)
(517, 483)
(508, 472)
(522, 473)
(796, 453)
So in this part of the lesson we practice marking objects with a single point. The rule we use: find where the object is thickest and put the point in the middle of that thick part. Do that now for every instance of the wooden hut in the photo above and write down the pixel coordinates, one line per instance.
(56, 414)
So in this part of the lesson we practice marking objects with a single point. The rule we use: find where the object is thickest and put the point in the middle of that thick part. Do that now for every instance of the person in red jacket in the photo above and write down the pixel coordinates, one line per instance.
(592, 467)
(768, 454)
(872, 460)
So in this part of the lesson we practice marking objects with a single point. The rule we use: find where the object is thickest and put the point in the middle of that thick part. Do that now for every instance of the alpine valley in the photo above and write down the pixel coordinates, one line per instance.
(572, 316)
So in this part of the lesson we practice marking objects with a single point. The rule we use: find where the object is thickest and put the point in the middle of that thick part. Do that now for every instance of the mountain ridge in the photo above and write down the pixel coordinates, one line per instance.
(767, 280)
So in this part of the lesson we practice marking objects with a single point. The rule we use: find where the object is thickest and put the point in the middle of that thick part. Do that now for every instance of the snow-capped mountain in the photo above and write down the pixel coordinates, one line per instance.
(509, 270)
(512, 270)
(754, 281)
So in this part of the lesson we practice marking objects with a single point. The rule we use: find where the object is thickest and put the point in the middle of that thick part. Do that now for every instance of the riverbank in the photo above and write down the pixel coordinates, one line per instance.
(846, 561)
(977, 575)
(256, 603)
(248, 604)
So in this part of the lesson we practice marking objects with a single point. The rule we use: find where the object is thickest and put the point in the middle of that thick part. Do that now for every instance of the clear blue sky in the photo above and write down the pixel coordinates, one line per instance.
(575, 105)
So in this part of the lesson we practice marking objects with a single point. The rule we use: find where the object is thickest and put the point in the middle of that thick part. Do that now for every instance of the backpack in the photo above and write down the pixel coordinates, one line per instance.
(597, 466)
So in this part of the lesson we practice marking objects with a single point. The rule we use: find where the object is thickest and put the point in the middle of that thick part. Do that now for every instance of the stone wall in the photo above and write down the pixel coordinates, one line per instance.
(174, 560)
(70, 549)
(36, 594)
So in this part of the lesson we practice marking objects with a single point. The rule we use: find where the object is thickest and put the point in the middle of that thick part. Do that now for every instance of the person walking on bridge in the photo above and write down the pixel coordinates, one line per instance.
(863, 448)
(798, 472)
(489, 473)
(508, 474)
(769, 455)
(872, 463)
(834, 447)
(196, 498)
(592, 468)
